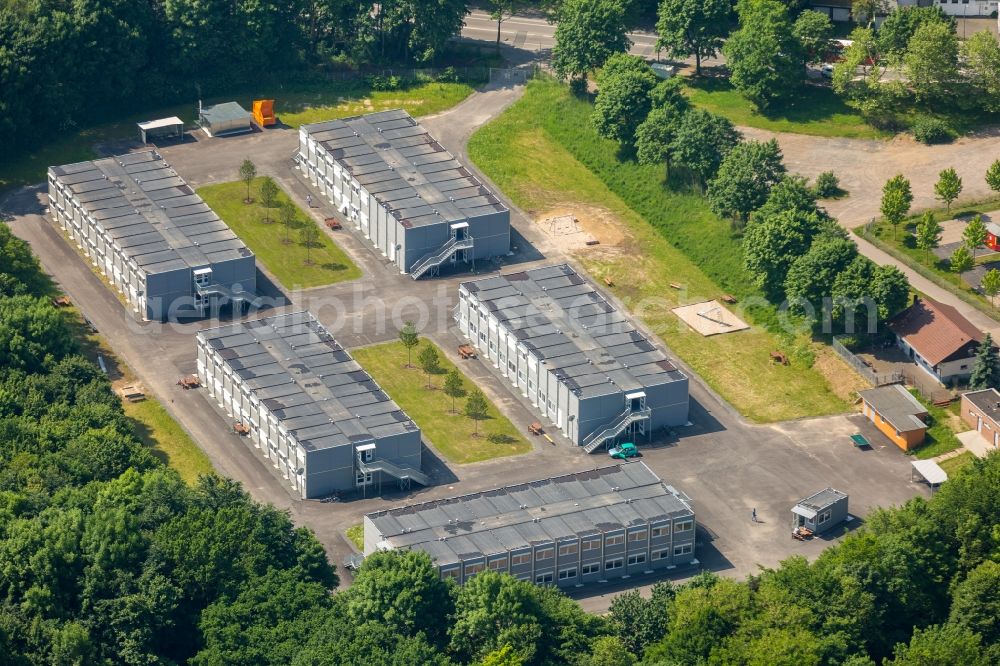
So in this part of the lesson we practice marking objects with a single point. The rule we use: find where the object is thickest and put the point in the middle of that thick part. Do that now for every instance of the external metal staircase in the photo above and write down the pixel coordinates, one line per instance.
(624, 420)
(439, 256)
(404, 474)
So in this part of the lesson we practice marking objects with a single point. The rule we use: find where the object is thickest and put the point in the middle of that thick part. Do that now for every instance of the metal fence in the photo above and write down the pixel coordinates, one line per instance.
(426, 73)
(511, 76)
(872, 377)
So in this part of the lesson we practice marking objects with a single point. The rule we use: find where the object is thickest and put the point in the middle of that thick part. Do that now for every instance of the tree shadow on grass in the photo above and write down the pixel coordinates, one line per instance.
(333, 266)
(811, 104)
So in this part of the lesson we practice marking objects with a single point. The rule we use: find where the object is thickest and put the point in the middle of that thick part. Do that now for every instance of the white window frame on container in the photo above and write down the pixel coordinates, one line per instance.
(659, 554)
(565, 574)
(637, 558)
(591, 568)
(684, 526)
(363, 479)
(616, 563)
(683, 549)
(544, 578)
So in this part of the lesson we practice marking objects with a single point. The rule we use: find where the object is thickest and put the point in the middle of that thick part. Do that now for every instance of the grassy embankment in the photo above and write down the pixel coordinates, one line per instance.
(903, 246)
(452, 434)
(152, 424)
(295, 104)
(544, 154)
(817, 111)
(940, 434)
(287, 262)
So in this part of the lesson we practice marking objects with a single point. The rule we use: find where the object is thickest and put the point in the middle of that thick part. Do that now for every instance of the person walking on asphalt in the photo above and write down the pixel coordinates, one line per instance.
(309, 200)
(753, 515)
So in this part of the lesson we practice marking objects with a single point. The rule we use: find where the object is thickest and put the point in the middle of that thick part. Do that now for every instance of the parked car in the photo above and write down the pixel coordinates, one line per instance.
(827, 71)
(624, 451)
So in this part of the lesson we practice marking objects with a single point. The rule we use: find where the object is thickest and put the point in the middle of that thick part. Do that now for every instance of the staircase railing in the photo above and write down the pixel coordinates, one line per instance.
(592, 441)
(437, 257)
(399, 471)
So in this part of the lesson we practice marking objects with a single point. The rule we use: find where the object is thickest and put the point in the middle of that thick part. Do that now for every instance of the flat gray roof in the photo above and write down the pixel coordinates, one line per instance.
(224, 112)
(308, 381)
(150, 212)
(822, 499)
(574, 330)
(518, 517)
(987, 401)
(897, 406)
(405, 169)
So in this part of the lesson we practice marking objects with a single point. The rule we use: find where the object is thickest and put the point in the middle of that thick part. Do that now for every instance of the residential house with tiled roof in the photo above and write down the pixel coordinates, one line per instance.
(939, 340)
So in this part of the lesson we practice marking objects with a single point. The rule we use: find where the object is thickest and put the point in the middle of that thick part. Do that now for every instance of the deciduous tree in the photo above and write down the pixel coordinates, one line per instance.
(309, 236)
(623, 101)
(692, 28)
(929, 233)
(896, 200)
(948, 186)
(587, 33)
(974, 235)
(454, 387)
(745, 178)
(702, 141)
(764, 58)
(773, 241)
(813, 30)
(248, 171)
(981, 60)
(409, 338)
(812, 276)
(429, 362)
(990, 285)
(993, 176)
(961, 260)
(268, 196)
(931, 62)
(476, 407)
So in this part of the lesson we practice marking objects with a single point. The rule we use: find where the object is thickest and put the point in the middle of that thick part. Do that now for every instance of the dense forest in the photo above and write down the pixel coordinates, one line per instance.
(107, 557)
(64, 62)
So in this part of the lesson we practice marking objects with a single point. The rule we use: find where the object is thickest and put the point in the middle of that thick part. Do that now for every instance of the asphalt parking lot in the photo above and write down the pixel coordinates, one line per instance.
(727, 466)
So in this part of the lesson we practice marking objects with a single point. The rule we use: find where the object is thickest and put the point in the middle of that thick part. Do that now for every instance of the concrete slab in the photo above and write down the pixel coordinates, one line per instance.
(973, 442)
(710, 318)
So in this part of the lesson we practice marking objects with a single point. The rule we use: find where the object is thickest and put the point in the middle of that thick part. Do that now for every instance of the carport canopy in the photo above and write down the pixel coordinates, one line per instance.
(150, 129)
(930, 471)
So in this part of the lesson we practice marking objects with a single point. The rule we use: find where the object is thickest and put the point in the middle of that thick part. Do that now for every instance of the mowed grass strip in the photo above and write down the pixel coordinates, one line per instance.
(419, 100)
(953, 466)
(166, 439)
(296, 103)
(532, 152)
(287, 263)
(452, 434)
(816, 111)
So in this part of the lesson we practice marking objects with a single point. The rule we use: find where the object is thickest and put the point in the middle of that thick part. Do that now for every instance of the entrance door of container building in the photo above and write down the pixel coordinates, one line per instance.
(459, 231)
(636, 403)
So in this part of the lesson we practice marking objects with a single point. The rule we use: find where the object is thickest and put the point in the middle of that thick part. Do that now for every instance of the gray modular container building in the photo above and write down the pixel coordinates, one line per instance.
(154, 239)
(310, 409)
(573, 355)
(223, 119)
(570, 530)
(821, 511)
(410, 198)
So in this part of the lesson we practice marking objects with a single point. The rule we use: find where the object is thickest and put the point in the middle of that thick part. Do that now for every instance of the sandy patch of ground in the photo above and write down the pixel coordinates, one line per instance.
(844, 382)
(710, 318)
(571, 226)
(952, 231)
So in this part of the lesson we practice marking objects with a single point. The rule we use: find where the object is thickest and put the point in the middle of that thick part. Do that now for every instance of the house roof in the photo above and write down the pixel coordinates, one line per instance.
(935, 330)
(897, 406)
(987, 401)
(224, 112)
(821, 500)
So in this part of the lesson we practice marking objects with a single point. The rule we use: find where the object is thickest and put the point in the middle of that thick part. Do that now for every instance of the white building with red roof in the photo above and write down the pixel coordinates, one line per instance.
(938, 339)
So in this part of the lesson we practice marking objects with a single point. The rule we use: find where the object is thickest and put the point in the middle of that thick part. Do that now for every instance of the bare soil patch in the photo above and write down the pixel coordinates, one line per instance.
(844, 382)
(572, 226)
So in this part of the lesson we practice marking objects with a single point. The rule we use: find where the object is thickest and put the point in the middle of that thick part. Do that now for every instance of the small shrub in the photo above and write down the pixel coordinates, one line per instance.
(448, 75)
(932, 130)
(827, 185)
(380, 82)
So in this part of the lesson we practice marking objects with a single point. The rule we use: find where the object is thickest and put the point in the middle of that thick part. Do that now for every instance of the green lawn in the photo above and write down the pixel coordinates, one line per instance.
(452, 434)
(818, 111)
(952, 466)
(543, 153)
(168, 441)
(295, 103)
(287, 262)
(901, 244)
(356, 535)
(940, 437)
